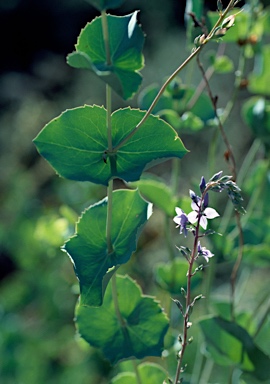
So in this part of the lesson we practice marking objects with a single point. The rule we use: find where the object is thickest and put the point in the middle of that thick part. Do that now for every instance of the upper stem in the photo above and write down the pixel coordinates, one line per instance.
(175, 73)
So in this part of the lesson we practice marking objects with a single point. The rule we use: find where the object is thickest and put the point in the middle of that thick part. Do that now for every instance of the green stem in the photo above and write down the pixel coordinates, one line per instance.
(116, 303)
(175, 73)
(109, 217)
(105, 31)
(109, 116)
(137, 374)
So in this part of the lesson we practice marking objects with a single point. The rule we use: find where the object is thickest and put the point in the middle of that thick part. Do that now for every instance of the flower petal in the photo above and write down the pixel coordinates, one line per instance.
(192, 217)
(177, 220)
(194, 206)
(178, 211)
(203, 222)
(210, 213)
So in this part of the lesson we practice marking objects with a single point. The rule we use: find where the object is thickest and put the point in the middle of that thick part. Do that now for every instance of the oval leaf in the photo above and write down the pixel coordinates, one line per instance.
(144, 329)
(88, 247)
(126, 41)
(75, 142)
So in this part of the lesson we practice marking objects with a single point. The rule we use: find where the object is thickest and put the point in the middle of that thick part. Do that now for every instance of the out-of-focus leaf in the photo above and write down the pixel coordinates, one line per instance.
(230, 344)
(259, 79)
(88, 247)
(126, 58)
(256, 113)
(158, 193)
(223, 64)
(172, 276)
(149, 373)
(142, 334)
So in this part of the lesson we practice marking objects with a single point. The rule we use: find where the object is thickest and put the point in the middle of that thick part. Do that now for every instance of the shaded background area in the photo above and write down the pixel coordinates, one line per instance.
(37, 284)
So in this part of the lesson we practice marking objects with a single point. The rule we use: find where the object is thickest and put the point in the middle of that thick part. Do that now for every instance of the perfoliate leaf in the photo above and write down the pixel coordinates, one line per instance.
(126, 57)
(149, 373)
(75, 143)
(88, 247)
(230, 344)
(142, 334)
(102, 5)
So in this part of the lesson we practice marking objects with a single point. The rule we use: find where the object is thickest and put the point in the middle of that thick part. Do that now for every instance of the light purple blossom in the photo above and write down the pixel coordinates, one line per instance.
(207, 213)
(202, 251)
(181, 220)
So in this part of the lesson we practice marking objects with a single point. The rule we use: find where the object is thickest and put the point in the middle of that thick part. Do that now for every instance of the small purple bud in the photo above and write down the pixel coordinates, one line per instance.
(216, 176)
(202, 184)
(206, 201)
(192, 195)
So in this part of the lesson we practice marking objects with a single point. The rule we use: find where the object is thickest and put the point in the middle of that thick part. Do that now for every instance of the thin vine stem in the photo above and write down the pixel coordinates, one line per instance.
(190, 274)
(175, 73)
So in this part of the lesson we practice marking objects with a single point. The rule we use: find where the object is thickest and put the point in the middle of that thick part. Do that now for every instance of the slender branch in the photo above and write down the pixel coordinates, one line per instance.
(175, 73)
(156, 99)
(190, 274)
(220, 125)
(208, 74)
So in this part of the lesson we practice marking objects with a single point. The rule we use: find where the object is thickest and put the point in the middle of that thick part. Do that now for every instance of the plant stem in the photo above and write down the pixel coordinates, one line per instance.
(220, 125)
(138, 378)
(121, 320)
(105, 31)
(174, 74)
(109, 132)
(191, 261)
(109, 217)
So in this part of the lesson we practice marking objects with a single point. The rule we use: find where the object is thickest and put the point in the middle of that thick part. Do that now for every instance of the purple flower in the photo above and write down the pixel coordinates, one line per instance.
(207, 213)
(202, 184)
(202, 251)
(181, 220)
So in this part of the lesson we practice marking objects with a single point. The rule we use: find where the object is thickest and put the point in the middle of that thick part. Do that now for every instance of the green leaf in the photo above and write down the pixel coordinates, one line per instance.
(144, 329)
(223, 64)
(230, 344)
(88, 247)
(126, 41)
(75, 143)
(259, 79)
(158, 193)
(172, 276)
(256, 113)
(148, 372)
(102, 5)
